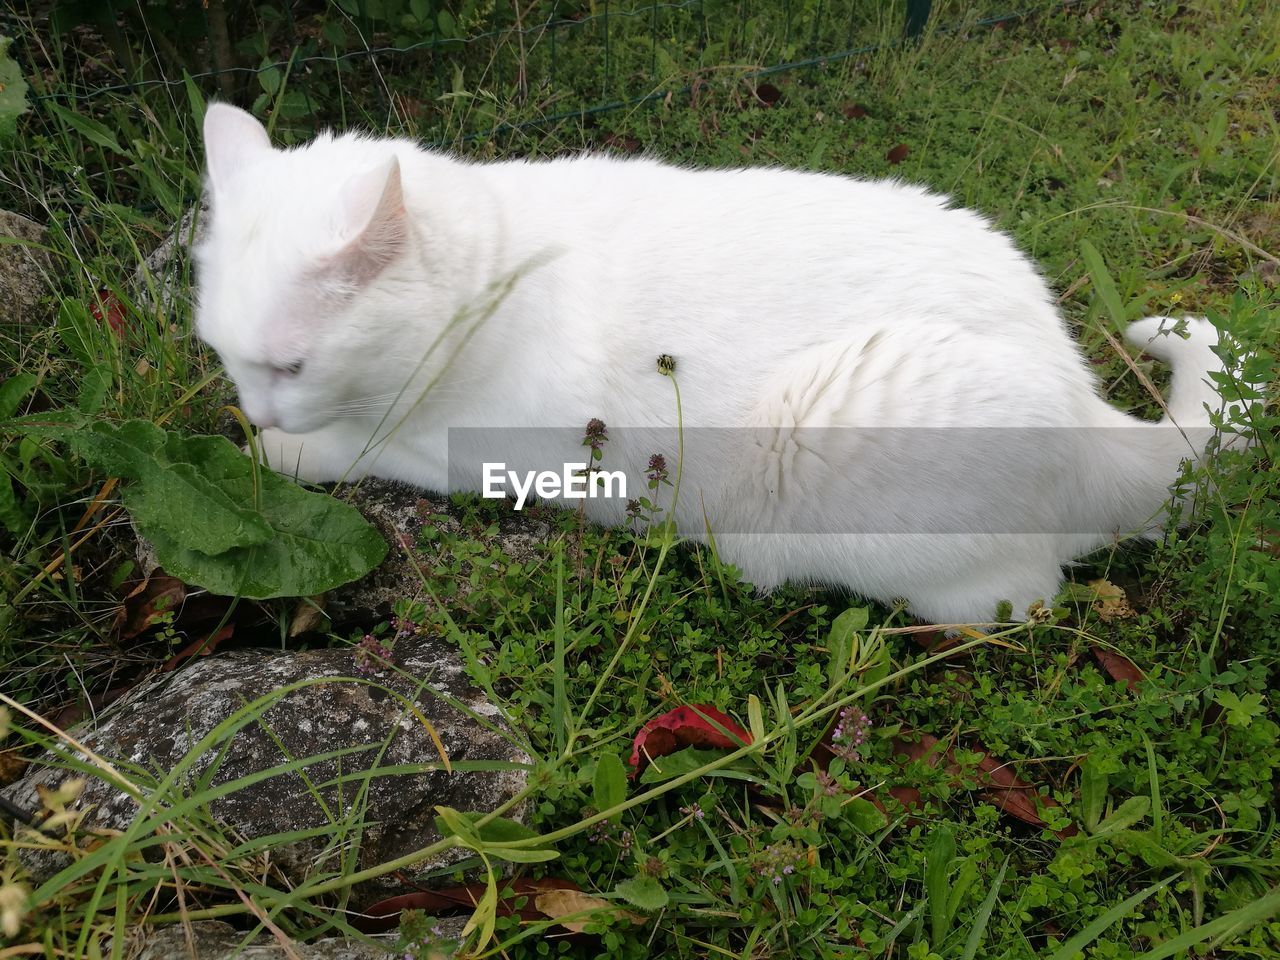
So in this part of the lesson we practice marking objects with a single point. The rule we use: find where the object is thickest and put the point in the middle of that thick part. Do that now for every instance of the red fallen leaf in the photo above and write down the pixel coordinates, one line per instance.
(683, 727)
(898, 153)
(909, 797)
(385, 914)
(854, 111)
(1119, 667)
(200, 648)
(937, 641)
(926, 747)
(149, 602)
(768, 94)
(1001, 786)
(106, 308)
(1016, 797)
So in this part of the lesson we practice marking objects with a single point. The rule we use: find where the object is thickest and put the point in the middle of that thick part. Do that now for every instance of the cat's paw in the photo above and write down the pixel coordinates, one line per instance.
(304, 456)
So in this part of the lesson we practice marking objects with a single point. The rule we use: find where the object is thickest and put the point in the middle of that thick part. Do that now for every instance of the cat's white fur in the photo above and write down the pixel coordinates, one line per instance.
(824, 322)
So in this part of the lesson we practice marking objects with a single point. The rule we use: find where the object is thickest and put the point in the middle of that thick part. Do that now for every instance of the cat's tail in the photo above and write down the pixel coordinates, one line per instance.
(1187, 347)
(1140, 462)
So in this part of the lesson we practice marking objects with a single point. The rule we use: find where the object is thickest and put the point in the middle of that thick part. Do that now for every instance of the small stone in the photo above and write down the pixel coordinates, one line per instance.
(24, 271)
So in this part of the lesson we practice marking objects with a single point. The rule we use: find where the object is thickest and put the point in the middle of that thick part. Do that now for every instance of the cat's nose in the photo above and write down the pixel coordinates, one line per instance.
(259, 414)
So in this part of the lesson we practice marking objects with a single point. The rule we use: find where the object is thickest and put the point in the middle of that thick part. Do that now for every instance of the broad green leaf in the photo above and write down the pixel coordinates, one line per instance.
(76, 330)
(451, 822)
(13, 93)
(1102, 282)
(194, 490)
(14, 515)
(938, 859)
(688, 760)
(195, 100)
(196, 500)
(92, 130)
(877, 658)
(521, 854)
(13, 391)
(864, 815)
(1241, 711)
(609, 785)
(501, 830)
(643, 892)
(317, 543)
(485, 917)
(960, 885)
(1093, 793)
(94, 384)
(844, 645)
(755, 717)
(1145, 845)
(1132, 811)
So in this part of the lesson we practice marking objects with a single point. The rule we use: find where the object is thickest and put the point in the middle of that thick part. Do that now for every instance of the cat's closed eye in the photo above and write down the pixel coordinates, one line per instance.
(289, 369)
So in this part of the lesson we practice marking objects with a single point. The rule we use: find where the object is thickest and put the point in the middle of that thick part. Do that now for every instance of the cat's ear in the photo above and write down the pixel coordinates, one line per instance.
(231, 138)
(374, 222)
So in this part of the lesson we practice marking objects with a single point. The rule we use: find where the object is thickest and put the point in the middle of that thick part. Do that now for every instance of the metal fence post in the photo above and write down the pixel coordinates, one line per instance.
(917, 16)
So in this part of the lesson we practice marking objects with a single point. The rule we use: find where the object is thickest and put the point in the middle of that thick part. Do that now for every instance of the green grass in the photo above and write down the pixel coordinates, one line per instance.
(1145, 132)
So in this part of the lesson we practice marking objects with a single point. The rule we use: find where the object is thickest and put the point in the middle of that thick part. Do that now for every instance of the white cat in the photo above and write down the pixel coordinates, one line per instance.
(878, 391)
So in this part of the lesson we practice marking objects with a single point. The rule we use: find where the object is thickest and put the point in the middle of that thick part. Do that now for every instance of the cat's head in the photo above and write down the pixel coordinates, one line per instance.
(296, 244)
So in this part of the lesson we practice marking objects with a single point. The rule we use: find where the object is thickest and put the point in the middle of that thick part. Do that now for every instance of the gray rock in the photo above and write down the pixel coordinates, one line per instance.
(24, 271)
(167, 269)
(214, 940)
(162, 720)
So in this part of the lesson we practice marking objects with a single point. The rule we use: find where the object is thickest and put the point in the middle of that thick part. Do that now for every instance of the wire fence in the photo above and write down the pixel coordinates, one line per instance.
(448, 75)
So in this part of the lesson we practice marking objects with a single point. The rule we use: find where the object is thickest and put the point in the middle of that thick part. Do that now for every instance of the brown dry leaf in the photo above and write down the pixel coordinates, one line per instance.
(997, 780)
(1119, 667)
(562, 903)
(201, 647)
(1111, 603)
(898, 153)
(12, 766)
(150, 602)
(385, 914)
(854, 110)
(307, 615)
(1017, 797)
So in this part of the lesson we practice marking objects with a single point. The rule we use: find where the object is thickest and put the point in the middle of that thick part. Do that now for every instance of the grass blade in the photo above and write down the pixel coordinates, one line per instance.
(1094, 930)
(984, 916)
(1102, 283)
(1235, 922)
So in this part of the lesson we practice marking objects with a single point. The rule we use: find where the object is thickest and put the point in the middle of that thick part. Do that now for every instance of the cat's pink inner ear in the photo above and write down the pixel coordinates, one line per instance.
(232, 138)
(375, 219)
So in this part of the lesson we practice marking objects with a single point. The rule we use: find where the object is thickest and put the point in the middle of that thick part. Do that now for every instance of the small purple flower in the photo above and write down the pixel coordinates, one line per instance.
(694, 810)
(656, 472)
(371, 655)
(596, 435)
(850, 733)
